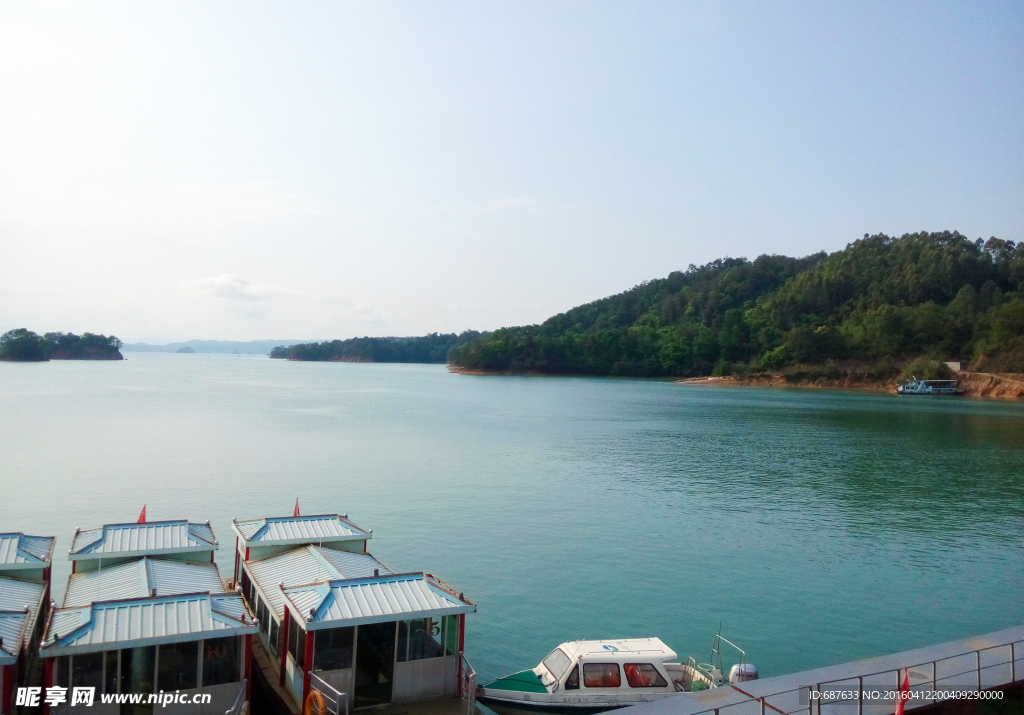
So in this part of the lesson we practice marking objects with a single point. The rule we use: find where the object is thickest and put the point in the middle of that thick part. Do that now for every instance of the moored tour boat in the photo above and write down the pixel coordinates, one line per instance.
(585, 677)
(929, 387)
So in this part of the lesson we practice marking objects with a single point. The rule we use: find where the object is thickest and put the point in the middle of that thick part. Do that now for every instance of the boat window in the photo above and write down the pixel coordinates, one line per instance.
(557, 662)
(222, 662)
(403, 641)
(274, 635)
(87, 670)
(601, 675)
(419, 639)
(261, 615)
(297, 644)
(450, 626)
(573, 681)
(137, 669)
(178, 666)
(62, 671)
(643, 675)
(110, 671)
(332, 648)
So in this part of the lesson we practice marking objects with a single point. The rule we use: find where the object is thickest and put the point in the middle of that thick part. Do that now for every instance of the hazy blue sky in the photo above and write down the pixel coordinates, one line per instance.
(321, 169)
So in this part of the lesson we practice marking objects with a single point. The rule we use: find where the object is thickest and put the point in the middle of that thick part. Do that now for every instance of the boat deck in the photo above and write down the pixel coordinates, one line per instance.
(435, 706)
(286, 703)
(270, 673)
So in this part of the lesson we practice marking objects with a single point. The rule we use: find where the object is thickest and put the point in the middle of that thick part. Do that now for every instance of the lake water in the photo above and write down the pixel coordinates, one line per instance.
(815, 526)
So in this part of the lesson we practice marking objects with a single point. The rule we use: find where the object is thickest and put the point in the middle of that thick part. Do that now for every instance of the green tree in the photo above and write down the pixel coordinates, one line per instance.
(21, 345)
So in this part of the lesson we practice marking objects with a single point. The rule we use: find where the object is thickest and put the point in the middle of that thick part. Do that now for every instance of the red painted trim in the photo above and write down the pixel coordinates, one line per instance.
(246, 553)
(248, 666)
(74, 567)
(47, 682)
(211, 557)
(282, 653)
(308, 667)
(236, 561)
(364, 546)
(7, 704)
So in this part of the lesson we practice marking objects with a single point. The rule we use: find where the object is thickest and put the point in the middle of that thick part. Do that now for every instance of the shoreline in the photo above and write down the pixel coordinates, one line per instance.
(982, 385)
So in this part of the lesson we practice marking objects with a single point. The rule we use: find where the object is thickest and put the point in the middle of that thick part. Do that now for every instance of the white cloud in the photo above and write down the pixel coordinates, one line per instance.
(234, 287)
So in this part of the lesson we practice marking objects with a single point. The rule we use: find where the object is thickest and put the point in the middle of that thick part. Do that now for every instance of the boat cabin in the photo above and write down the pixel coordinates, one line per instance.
(589, 675)
(24, 604)
(333, 615)
(146, 611)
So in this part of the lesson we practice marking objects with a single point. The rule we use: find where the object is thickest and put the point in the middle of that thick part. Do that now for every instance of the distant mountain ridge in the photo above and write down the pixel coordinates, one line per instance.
(251, 347)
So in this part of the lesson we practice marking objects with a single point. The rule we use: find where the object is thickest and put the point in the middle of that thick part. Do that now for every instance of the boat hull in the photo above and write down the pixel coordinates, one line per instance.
(953, 393)
(518, 707)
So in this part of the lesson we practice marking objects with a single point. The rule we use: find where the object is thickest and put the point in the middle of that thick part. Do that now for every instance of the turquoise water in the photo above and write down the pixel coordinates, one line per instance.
(816, 527)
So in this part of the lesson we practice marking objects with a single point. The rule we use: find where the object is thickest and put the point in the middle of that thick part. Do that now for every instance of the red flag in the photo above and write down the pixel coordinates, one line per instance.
(904, 692)
(142, 516)
(296, 507)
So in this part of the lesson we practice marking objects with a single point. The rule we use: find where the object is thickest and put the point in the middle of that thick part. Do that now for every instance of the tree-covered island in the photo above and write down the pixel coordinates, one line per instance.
(878, 308)
(432, 348)
(22, 345)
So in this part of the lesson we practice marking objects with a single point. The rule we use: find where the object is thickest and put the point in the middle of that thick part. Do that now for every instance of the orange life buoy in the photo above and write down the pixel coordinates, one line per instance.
(315, 704)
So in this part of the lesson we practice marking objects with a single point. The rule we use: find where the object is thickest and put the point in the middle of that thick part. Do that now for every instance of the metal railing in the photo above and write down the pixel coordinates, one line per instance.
(236, 707)
(973, 670)
(467, 684)
(333, 698)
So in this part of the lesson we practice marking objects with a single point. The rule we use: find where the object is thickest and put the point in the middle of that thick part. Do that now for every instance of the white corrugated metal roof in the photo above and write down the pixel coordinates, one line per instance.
(172, 577)
(354, 565)
(15, 594)
(123, 581)
(297, 567)
(141, 579)
(308, 565)
(12, 630)
(19, 551)
(152, 538)
(15, 621)
(298, 530)
(150, 621)
(374, 600)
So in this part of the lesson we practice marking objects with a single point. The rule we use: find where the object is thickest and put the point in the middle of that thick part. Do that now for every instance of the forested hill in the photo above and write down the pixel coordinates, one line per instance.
(872, 307)
(427, 348)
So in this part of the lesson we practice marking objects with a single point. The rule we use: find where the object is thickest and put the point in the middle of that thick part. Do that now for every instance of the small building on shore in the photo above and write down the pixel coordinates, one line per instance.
(329, 610)
(146, 613)
(25, 563)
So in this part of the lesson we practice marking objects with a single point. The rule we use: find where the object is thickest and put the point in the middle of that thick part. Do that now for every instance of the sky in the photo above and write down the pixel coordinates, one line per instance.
(320, 170)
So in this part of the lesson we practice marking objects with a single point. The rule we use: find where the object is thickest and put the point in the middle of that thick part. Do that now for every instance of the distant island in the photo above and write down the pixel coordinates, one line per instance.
(880, 309)
(432, 348)
(185, 349)
(22, 345)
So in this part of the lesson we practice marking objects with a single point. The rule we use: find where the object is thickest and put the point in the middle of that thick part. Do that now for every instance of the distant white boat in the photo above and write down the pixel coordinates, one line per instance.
(583, 677)
(929, 387)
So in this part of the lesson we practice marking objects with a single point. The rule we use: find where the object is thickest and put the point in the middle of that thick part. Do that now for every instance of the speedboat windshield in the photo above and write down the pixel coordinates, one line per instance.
(556, 663)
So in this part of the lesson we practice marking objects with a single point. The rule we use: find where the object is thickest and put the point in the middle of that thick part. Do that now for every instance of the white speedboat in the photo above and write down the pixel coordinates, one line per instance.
(585, 677)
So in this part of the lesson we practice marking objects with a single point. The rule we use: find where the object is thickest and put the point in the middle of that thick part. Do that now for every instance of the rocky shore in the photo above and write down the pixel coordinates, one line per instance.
(1003, 385)
(974, 384)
